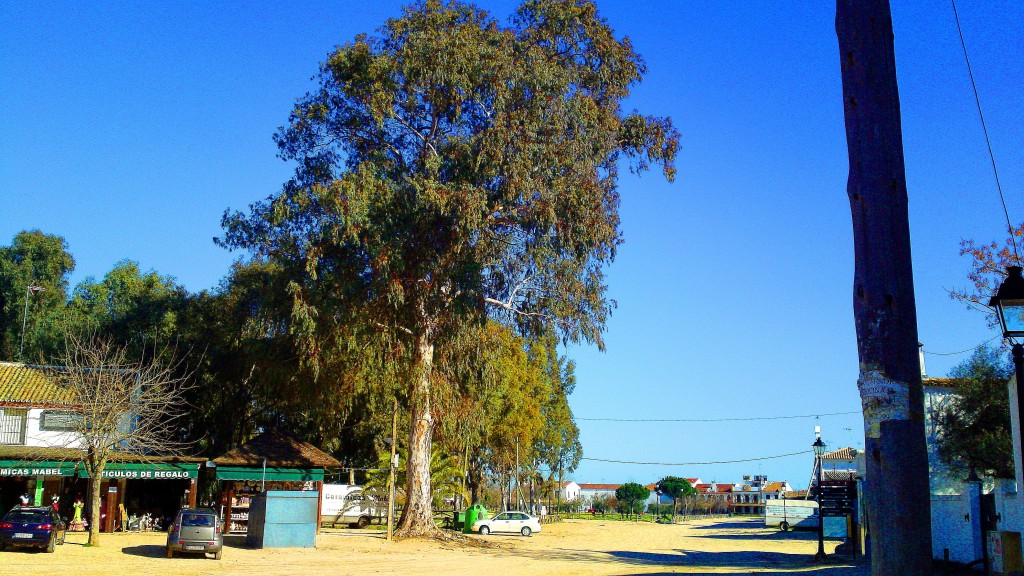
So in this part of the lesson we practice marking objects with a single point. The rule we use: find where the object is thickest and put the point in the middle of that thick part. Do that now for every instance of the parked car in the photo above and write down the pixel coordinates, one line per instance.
(508, 522)
(32, 526)
(196, 530)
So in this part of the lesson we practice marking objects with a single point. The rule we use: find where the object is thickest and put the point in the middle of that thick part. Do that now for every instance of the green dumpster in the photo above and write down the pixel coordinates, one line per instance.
(474, 513)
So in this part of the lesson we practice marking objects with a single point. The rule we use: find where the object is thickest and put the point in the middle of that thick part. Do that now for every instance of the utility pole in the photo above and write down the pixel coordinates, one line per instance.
(391, 475)
(897, 499)
(29, 290)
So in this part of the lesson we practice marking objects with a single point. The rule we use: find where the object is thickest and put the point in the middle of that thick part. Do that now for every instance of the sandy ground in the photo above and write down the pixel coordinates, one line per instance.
(565, 548)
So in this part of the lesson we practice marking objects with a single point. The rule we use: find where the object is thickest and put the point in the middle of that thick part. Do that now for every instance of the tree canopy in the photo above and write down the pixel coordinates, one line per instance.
(988, 269)
(453, 169)
(40, 260)
(632, 496)
(974, 428)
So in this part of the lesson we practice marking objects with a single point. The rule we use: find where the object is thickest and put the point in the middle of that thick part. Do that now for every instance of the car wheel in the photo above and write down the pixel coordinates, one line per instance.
(218, 554)
(52, 545)
(784, 526)
(170, 553)
(526, 531)
(363, 522)
(485, 530)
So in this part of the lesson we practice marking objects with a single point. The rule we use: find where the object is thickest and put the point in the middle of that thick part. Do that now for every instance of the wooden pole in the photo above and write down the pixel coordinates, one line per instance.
(897, 495)
(391, 475)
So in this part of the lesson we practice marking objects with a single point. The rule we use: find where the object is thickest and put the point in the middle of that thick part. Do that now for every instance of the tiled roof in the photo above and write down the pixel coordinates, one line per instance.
(599, 486)
(279, 451)
(692, 481)
(846, 454)
(703, 487)
(38, 453)
(775, 487)
(28, 385)
(725, 487)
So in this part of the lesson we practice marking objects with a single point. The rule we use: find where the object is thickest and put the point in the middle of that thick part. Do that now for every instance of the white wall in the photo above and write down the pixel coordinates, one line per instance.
(570, 491)
(34, 436)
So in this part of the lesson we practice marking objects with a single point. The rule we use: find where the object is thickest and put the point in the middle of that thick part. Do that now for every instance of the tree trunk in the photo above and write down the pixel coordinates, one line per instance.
(95, 471)
(417, 517)
(889, 381)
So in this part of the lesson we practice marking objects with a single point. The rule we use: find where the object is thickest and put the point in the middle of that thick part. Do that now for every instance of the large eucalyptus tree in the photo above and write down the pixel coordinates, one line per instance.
(452, 169)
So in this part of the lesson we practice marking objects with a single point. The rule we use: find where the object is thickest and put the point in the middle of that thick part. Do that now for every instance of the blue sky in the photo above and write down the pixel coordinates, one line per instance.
(129, 129)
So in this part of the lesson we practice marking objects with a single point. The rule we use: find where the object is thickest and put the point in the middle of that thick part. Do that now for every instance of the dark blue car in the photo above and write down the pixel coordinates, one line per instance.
(34, 527)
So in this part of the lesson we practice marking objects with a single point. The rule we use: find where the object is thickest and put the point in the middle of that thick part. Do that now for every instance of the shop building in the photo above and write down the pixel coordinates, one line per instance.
(41, 456)
(270, 461)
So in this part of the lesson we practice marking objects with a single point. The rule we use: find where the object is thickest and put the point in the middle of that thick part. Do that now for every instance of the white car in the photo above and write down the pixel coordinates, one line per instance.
(508, 522)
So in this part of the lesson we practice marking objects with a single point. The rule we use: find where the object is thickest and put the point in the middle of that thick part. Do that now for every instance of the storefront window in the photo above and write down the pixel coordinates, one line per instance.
(12, 426)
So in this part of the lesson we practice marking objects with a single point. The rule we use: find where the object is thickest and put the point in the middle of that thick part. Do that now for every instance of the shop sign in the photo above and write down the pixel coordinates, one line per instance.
(146, 474)
(33, 471)
(11, 468)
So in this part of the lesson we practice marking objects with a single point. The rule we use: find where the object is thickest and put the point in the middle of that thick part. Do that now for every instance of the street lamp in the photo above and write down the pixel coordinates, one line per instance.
(819, 450)
(29, 291)
(1009, 305)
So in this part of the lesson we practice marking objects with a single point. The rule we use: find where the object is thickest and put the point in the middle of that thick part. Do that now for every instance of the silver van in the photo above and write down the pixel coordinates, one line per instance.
(196, 530)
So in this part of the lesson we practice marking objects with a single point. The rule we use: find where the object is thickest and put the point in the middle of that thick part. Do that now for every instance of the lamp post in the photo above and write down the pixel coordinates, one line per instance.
(1009, 305)
(819, 450)
(29, 290)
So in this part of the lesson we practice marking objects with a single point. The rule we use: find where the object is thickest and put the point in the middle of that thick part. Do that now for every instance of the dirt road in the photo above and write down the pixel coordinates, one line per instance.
(567, 548)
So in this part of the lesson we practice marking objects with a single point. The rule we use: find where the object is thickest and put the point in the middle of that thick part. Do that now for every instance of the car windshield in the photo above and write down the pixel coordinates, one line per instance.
(28, 517)
(192, 519)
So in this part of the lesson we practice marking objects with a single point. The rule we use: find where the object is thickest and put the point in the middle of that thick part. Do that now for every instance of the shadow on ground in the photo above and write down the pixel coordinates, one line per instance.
(758, 562)
(145, 550)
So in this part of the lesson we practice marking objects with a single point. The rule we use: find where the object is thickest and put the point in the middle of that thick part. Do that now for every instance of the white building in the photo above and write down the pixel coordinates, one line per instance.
(34, 410)
(569, 491)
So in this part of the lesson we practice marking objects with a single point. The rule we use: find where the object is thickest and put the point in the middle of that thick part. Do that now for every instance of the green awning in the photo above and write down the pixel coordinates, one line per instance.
(10, 468)
(273, 474)
(147, 470)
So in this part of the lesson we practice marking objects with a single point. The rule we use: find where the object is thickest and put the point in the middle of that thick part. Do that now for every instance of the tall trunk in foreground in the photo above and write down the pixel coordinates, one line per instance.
(417, 518)
(896, 488)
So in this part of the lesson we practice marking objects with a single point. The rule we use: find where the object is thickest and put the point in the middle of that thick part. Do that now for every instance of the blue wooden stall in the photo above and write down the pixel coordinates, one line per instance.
(283, 519)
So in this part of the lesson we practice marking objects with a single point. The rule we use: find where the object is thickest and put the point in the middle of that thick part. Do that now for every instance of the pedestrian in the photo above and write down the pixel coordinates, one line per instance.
(25, 499)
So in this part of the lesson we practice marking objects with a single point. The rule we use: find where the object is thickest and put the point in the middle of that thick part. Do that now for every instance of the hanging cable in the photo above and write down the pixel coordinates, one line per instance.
(751, 419)
(972, 349)
(698, 463)
(984, 128)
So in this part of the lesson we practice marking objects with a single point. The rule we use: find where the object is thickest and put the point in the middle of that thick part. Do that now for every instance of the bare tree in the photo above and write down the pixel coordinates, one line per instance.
(122, 405)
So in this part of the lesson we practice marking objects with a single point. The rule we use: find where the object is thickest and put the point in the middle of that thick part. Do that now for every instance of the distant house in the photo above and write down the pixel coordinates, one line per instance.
(569, 491)
(590, 491)
(775, 490)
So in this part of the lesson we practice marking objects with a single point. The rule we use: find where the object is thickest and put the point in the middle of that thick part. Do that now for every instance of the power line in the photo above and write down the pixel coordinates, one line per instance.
(984, 128)
(754, 418)
(972, 349)
(698, 463)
